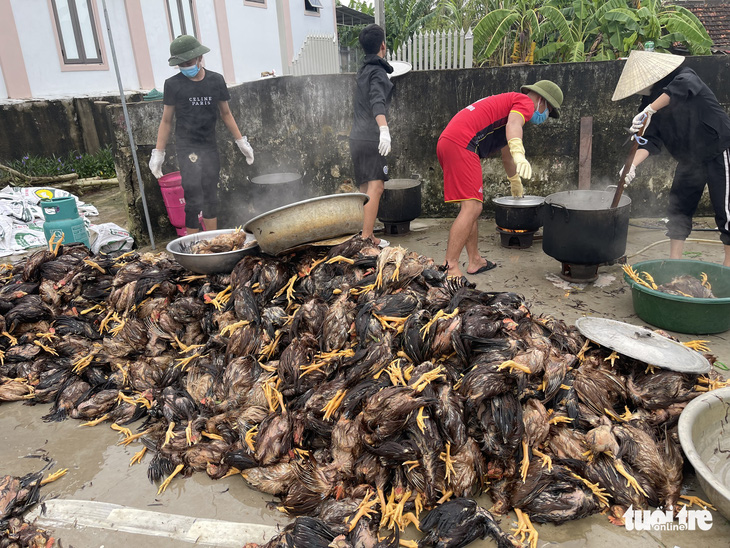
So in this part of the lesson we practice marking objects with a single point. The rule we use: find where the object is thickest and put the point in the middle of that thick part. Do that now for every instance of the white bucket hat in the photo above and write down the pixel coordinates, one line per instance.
(643, 69)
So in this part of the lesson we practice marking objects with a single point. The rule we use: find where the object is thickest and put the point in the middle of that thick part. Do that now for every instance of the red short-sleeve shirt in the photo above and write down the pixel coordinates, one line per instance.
(480, 127)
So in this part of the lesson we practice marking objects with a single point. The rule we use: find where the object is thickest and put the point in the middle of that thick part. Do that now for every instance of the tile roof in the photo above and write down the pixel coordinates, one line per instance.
(715, 15)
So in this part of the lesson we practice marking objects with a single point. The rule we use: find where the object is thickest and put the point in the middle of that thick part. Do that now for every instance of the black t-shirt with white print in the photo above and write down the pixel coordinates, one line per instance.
(196, 107)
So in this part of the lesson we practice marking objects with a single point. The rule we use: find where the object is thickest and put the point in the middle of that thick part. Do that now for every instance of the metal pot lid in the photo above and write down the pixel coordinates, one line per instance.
(525, 201)
(399, 68)
(643, 345)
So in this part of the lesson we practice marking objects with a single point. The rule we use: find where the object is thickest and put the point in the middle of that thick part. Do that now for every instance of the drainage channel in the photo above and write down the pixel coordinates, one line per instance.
(76, 514)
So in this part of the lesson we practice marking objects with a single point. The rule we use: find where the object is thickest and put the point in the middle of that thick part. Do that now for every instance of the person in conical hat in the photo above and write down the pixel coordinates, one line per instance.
(195, 98)
(678, 111)
(487, 126)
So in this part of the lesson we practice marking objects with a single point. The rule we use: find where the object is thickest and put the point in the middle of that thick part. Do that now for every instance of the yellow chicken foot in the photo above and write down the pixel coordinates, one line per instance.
(95, 265)
(169, 434)
(183, 363)
(407, 519)
(364, 289)
(121, 322)
(408, 543)
(288, 289)
(229, 329)
(166, 483)
(188, 279)
(692, 500)
(600, 493)
(525, 461)
(612, 358)
(133, 437)
(81, 363)
(101, 419)
(383, 506)
(650, 279)
(55, 244)
(211, 436)
(557, 419)
(60, 473)
(250, 437)
(525, 529)
(184, 348)
(126, 432)
(582, 354)
(650, 369)
(546, 460)
(411, 464)
(13, 340)
(333, 404)
(397, 516)
(446, 496)
(232, 472)
(49, 336)
(189, 433)
(448, 462)
(704, 281)
(421, 419)
(426, 379)
(390, 322)
(395, 372)
(46, 348)
(137, 457)
(512, 365)
(439, 315)
(630, 480)
(627, 415)
(365, 508)
(338, 259)
(698, 345)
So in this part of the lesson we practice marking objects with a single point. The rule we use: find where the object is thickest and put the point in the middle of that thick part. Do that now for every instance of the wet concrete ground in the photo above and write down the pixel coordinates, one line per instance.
(100, 476)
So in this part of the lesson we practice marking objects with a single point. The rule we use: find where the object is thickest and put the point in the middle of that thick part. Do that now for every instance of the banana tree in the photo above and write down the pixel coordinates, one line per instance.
(403, 18)
(662, 24)
(575, 31)
(517, 24)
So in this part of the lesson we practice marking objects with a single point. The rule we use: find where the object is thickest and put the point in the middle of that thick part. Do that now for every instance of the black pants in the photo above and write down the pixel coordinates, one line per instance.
(369, 164)
(200, 172)
(689, 184)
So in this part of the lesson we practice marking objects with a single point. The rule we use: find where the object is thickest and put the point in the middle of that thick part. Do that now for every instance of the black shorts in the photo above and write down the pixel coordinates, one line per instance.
(200, 171)
(369, 164)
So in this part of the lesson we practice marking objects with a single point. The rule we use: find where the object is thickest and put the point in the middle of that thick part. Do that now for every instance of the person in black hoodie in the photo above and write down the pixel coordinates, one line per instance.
(370, 135)
(680, 112)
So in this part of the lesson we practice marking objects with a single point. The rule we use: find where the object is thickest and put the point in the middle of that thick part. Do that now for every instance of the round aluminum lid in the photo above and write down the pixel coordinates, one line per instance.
(643, 345)
(399, 68)
(525, 201)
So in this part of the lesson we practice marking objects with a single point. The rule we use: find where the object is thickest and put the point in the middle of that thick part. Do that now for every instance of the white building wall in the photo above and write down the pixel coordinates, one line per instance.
(35, 25)
(254, 39)
(304, 24)
(208, 27)
(157, 32)
(3, 89)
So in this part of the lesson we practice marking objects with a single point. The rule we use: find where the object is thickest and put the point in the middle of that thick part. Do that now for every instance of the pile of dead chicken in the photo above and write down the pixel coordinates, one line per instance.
(361, 386)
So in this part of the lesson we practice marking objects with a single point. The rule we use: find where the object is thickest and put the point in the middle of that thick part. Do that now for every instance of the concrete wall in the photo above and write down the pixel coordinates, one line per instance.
(302, 124)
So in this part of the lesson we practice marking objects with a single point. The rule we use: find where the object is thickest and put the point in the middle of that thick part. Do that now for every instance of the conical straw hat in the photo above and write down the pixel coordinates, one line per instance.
(643, 69)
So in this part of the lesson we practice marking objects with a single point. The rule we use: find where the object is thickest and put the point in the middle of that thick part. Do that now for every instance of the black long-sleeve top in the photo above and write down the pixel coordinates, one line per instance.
(693, 127)
(372, 97)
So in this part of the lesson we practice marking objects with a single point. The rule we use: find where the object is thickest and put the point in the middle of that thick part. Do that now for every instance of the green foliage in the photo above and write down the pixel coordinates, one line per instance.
(86, 165)
(403, 18)
(581, 30)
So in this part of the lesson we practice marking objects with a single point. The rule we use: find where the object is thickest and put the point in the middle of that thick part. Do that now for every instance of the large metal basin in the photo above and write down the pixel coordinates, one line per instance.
(209, 263)
(704, 433)
(308, 221)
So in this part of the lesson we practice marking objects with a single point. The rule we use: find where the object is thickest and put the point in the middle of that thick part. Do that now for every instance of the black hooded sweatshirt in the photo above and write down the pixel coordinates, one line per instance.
(693, 127)
(372, 97)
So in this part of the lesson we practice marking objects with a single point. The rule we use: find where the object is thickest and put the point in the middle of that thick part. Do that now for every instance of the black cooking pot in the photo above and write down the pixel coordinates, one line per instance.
(581, 228)
(401, 201)
(276, 190)
(518, 213)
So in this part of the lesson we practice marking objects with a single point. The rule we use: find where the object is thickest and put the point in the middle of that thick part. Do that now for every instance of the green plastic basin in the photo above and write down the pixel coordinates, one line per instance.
(677, 313)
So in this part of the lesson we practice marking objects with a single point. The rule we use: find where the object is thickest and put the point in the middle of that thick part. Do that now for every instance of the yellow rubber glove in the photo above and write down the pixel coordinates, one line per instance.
(515, 186)
(517, 150)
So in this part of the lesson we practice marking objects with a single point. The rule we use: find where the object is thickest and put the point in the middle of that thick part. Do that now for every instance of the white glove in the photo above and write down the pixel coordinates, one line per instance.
(384, 144)
(638, 120)
(156, 160)
(629, 176)
(246, 148)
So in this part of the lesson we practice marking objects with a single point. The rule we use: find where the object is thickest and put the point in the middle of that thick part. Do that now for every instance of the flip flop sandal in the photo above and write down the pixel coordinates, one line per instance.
(489, 266)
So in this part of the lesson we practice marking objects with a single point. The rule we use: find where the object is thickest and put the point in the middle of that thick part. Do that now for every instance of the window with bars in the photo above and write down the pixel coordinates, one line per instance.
(257, 3)
(182, 20)
(77, 32)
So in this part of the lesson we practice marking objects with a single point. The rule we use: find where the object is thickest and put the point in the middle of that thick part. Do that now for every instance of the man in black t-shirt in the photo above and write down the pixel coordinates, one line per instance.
(195, 97)
(679, 112)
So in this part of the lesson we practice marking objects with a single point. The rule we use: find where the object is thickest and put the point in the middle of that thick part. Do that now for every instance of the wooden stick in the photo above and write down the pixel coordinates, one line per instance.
(29, 179)
(627, 167)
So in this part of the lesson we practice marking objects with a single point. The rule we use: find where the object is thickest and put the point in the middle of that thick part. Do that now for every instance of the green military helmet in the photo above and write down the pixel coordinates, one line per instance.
(550, 91)
(184, 48)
